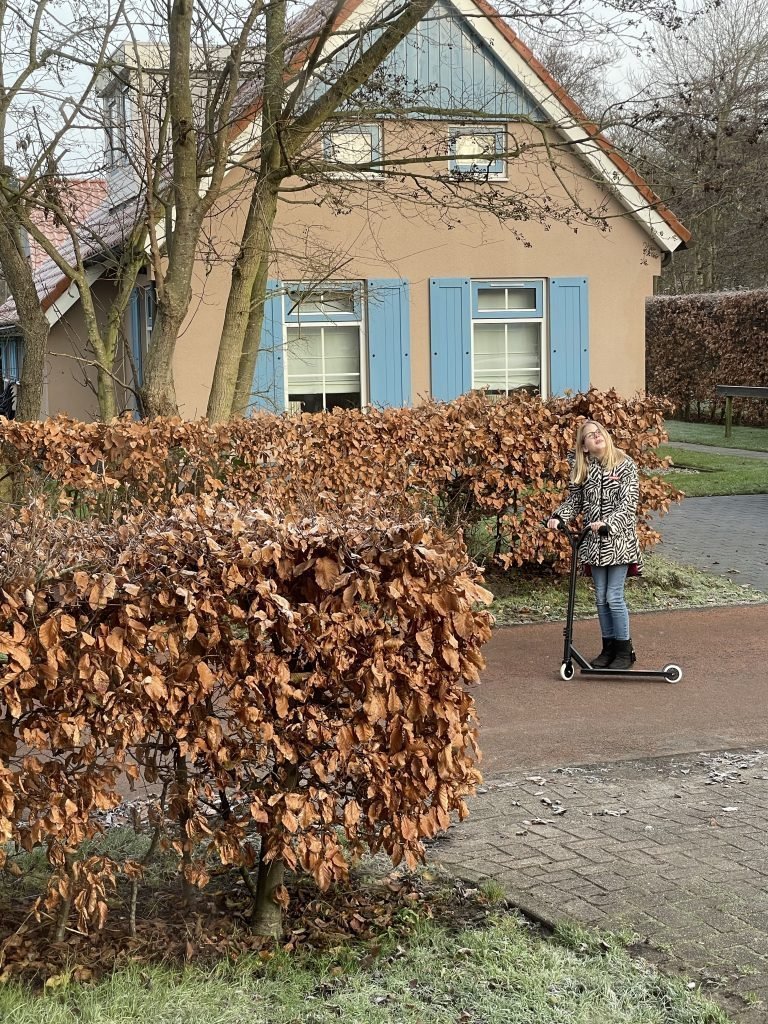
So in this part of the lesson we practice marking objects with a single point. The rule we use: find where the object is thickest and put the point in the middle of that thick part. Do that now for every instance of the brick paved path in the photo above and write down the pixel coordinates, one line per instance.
(674, 850)
(720, 534)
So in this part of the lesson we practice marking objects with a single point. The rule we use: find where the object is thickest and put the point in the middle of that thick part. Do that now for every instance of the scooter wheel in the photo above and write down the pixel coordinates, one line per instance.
(673, 673)
(567, 670)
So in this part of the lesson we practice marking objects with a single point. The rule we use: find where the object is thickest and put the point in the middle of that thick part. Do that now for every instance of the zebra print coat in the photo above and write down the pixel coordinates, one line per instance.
(610, 497)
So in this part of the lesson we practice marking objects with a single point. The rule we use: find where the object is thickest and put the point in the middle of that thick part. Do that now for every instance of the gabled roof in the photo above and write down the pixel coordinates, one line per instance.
(572, 107)
(106, 227)
(100, 233)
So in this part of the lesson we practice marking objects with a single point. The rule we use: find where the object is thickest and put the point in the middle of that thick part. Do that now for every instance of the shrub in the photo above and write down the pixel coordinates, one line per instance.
(282, 684)
(472, 460)
(694, 342)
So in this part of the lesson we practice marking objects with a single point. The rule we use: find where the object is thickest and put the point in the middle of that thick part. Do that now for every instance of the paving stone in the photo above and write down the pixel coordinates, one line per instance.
(696, 889)
(700, 532)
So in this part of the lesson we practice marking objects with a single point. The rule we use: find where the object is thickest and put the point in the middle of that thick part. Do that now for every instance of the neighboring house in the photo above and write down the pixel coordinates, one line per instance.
(80, 198)
(424, 307)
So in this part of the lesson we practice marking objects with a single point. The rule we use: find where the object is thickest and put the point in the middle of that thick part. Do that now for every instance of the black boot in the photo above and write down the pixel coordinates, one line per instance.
(606, 656)
(625, 655)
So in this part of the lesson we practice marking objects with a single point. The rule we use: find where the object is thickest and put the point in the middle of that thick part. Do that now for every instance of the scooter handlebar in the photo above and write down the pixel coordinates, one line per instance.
(577, 537)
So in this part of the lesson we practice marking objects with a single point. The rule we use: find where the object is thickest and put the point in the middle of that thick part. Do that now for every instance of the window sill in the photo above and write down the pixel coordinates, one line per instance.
(355, 176)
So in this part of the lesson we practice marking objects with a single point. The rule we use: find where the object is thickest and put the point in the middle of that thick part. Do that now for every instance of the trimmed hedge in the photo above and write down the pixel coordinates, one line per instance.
(694, 342)
(472, 460)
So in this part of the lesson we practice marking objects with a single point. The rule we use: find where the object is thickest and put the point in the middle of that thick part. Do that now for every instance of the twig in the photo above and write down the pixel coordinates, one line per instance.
(98, 366)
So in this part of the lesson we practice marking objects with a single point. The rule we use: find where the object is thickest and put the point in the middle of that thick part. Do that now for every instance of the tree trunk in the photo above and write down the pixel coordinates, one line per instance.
(158, 393)
(253, 260)
(35, 330)
(245, 308)
(267, 912)
(35, 341)
(251, 343)
(105, 391)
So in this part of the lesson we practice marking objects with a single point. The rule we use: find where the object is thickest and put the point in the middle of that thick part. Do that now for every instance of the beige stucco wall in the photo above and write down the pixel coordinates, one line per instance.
(376, 237)
(70, 380)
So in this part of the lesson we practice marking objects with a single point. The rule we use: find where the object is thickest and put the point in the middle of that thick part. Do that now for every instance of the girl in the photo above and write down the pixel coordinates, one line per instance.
(604, 489)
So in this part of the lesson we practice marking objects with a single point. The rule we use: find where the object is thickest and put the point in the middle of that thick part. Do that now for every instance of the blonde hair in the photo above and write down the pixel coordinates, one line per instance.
(611, 459)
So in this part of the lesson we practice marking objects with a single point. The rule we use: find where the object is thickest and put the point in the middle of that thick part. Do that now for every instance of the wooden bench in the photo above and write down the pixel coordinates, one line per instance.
(729, 392)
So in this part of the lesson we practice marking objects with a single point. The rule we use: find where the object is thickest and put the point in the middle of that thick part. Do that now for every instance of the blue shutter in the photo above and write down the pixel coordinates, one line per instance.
(450, 333)
(568, 335)
(268, 378)
(135, 331)
(389, 343)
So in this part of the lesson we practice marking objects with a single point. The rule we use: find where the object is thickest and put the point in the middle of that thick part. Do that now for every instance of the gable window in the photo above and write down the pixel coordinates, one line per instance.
(354, 146)
(507, 335)
(324, 348)
(116, 124)
(477, 150)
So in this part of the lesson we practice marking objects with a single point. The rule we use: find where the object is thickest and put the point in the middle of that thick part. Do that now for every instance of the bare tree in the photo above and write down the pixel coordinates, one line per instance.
(39, 46)
(706, 145)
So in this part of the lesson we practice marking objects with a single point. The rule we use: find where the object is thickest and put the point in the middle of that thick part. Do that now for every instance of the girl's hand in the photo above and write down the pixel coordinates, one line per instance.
(553, 523)
(594, 527)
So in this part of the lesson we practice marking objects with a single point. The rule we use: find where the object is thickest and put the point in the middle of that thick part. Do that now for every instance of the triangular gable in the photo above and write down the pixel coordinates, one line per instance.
(479, 20)
(445, 64)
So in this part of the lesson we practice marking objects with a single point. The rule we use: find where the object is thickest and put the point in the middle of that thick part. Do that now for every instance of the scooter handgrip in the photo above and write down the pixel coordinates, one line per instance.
(604, 531)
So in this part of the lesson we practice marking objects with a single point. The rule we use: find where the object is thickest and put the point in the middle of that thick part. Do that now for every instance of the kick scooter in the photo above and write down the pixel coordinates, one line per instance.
(671, 673)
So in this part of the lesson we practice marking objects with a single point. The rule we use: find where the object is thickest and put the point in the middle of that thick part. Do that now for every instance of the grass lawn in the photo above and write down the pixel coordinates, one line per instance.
(752, 438)
(664, 585)
(501, 971)
(716, 474)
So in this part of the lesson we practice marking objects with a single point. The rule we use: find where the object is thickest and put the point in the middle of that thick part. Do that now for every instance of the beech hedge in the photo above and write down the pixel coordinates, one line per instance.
(471, 460)
(268, 623)
(280, 685)
(695, 342)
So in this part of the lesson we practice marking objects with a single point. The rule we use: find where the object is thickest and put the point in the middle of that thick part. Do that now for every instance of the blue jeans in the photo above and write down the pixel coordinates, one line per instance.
(609, 595)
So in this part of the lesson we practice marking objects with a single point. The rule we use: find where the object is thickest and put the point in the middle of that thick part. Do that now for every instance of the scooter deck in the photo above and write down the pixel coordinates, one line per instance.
(670, 673)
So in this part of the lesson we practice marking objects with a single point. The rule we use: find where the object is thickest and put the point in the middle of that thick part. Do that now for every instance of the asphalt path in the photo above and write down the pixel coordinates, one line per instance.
(529, 716)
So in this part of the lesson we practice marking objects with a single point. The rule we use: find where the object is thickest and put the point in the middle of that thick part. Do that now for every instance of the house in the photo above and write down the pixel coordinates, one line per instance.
(399, 300)
(80, 197)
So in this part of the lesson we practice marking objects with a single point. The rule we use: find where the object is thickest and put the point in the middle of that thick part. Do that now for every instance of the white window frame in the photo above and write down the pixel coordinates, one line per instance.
(512, 317)
(116, 127)
(499, 131)
(357, 319)
(376, 151)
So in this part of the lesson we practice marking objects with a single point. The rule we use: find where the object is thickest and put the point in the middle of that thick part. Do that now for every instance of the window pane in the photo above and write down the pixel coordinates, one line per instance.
(507, 356)
(524, 355)
(302, 402)
(342, 360)
(327, 303)
(489, 358)
(324, 368)
(490, 299)
(349, 400)
(353, 146)
(521, 298)
(476, 149)
(305, 360)
(517, 298)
